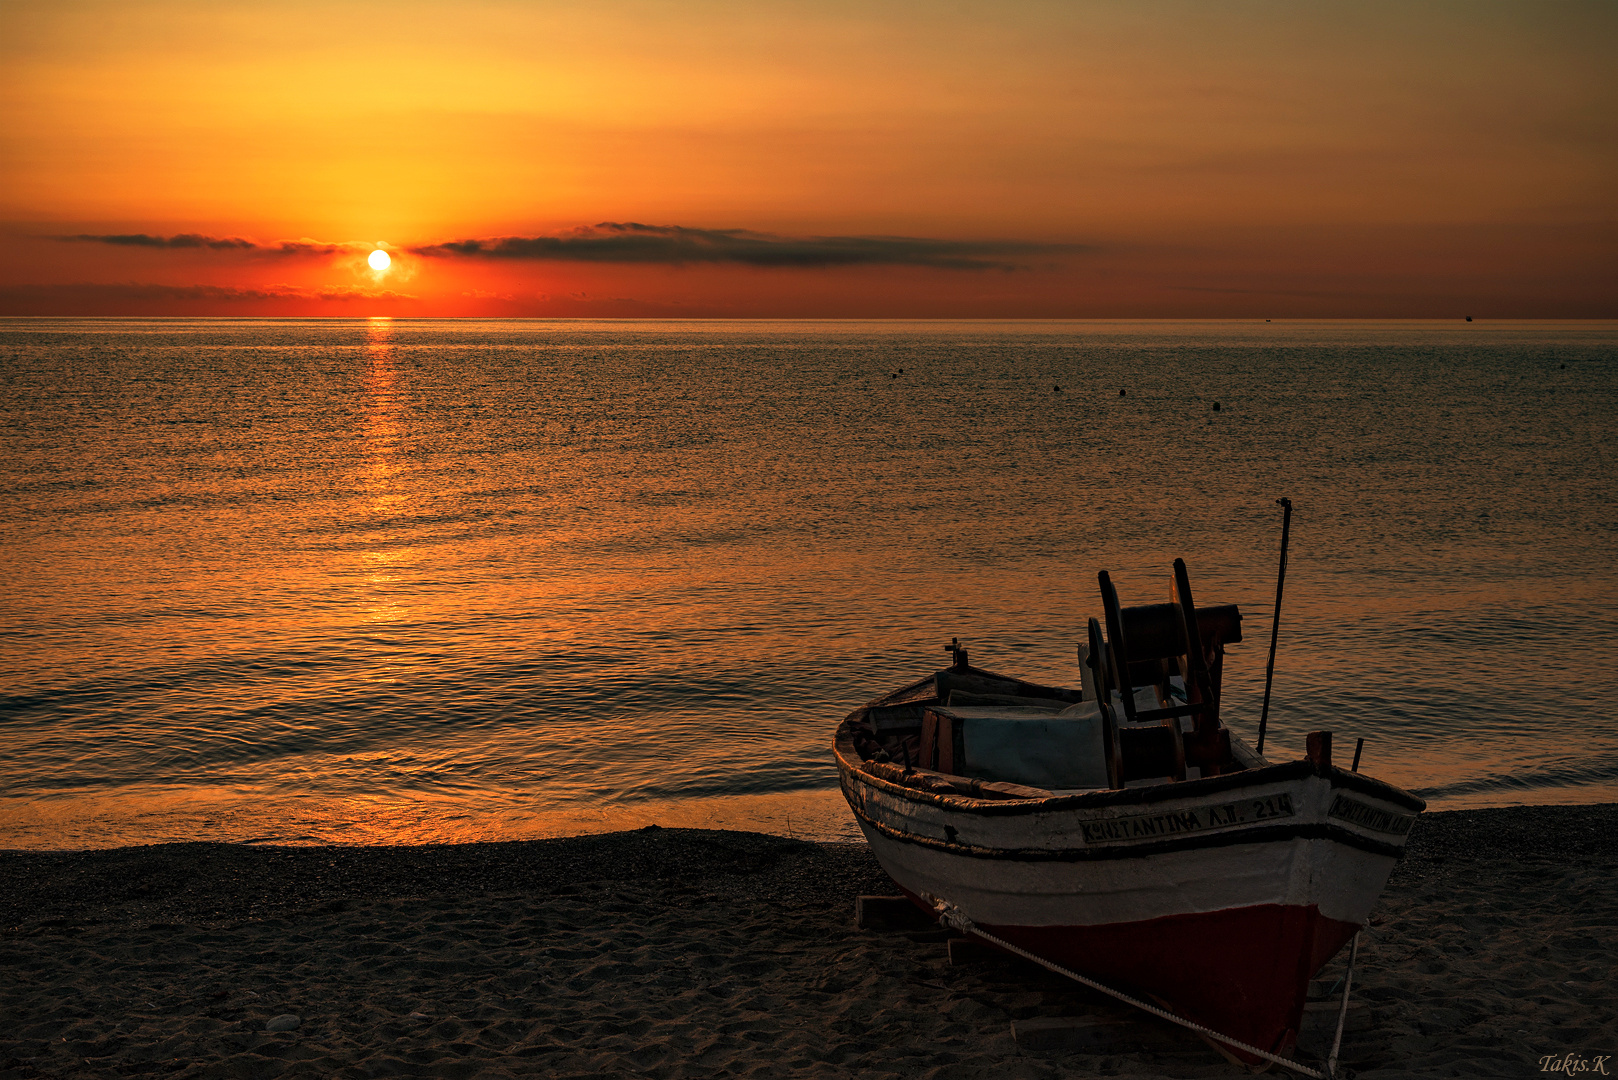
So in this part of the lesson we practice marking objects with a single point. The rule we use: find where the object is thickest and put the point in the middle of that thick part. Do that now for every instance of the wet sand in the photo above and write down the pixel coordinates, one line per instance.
(682, 953)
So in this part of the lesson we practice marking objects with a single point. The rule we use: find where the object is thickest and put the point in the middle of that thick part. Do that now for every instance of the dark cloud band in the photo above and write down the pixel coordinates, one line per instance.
(197, 241)
(630, 242)
(181, 240)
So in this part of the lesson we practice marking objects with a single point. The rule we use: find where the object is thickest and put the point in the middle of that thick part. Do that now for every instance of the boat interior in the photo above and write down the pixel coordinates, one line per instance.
(1147, 712)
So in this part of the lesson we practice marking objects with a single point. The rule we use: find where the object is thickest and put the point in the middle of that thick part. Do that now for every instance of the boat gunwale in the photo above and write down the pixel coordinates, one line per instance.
(843, 747)
(1261, 834)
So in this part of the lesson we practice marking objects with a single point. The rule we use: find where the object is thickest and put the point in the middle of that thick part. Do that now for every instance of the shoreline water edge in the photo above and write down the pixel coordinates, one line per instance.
(675, 953)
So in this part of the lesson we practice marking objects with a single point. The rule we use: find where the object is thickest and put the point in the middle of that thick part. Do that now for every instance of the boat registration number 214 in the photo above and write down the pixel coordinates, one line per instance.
(1189, 820)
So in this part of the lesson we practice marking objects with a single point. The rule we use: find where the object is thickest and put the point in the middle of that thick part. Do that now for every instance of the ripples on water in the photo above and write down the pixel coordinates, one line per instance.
(349, 580)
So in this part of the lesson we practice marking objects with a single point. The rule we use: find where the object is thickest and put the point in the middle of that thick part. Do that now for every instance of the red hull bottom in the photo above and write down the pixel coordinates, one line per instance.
(1244, 972)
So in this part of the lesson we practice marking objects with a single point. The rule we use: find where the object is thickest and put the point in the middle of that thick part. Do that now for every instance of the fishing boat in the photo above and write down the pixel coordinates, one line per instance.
(1119, 829)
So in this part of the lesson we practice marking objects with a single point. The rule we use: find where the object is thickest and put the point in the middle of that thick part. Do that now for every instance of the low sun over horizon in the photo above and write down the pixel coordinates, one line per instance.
(794, 160)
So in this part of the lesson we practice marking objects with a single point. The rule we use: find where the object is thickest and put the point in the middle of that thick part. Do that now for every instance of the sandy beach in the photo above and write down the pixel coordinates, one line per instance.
(676, 953)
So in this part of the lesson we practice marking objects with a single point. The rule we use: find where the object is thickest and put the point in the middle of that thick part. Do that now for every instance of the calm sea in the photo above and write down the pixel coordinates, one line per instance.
(388, 581)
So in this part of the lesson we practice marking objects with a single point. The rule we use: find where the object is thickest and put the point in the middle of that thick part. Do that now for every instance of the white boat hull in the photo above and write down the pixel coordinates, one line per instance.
(1221, 897)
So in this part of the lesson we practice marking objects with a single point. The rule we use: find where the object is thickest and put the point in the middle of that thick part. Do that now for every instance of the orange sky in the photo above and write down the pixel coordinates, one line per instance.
(1034, 159)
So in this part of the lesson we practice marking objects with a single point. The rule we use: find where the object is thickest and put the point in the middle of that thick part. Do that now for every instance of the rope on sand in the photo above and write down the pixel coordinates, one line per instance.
(954, 917)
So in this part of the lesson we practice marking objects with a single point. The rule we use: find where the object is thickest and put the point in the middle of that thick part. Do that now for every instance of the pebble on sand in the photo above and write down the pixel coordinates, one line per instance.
(284, 1022)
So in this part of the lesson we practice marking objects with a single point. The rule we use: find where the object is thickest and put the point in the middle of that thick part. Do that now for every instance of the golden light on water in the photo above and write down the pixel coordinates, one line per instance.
(380, 474)
(448, 582)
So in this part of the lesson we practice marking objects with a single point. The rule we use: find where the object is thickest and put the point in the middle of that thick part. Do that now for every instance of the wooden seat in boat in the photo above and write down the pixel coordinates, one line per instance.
(1158, 646)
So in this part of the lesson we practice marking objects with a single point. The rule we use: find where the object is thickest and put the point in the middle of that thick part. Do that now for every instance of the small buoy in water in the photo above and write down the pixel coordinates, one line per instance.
(1469, 318)
(1120, 393)
(1562, 366)
(1216, 406)
(901, 371)
(893, 376)
(1266, 320)
(1056, 389)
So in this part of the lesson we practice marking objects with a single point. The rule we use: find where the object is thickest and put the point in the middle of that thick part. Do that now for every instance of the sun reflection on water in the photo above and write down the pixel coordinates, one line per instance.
(383, 429)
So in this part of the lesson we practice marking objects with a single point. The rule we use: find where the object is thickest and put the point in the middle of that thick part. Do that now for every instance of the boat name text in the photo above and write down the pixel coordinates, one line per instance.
(1190, 820)
(1369, 817)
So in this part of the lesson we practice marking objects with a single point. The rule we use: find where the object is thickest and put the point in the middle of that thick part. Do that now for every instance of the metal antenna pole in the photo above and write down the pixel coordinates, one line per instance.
(1275, 627)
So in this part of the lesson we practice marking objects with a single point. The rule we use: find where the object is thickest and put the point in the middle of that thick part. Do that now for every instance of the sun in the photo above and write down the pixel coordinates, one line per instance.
(379, 260)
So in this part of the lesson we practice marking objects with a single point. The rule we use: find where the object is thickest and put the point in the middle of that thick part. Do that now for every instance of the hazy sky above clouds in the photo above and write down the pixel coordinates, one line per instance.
(1062, 159)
